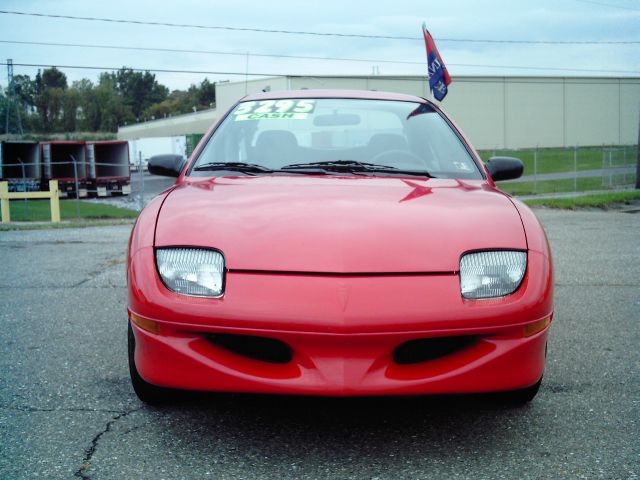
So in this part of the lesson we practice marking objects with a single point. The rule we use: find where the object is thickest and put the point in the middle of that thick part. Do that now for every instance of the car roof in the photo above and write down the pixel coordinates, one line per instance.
(322, 93)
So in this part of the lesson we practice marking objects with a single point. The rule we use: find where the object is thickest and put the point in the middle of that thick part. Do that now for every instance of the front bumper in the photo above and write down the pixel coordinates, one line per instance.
(342, 332)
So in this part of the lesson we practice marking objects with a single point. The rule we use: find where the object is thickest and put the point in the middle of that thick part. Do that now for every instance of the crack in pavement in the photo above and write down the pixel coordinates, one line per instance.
(102, 268)
(89, 451)
(30, 409)
(29, 243)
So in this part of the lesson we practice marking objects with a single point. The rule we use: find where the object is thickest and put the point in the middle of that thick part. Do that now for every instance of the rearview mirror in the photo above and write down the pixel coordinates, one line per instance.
(166, 165)
(336, 120)
(504, 168)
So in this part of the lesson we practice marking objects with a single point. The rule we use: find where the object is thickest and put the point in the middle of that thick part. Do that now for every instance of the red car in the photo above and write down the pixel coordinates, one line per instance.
(337, 243)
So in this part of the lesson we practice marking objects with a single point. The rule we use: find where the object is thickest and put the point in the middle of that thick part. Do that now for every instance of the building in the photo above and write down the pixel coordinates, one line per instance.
(494, 112)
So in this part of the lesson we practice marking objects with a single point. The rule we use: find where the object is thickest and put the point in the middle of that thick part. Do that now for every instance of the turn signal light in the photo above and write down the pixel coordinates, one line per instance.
(536, 327)
(145, 323)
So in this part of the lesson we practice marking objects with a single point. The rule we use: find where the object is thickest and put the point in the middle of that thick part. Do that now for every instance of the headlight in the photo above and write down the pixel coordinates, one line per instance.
(491, 273)
(191, 271)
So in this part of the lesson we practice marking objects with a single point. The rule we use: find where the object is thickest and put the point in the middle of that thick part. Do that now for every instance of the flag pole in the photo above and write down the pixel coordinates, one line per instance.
(437, 73)
(424, 29)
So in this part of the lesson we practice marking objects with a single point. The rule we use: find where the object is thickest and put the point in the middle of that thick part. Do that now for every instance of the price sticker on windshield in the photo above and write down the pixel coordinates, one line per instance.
(285, 109)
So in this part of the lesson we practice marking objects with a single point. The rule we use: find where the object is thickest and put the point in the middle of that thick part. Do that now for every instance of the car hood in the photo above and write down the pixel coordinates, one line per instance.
(337, 224)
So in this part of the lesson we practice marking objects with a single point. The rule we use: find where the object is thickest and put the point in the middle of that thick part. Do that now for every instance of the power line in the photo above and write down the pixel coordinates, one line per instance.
(322, 34)
(157, 70)
(210, 52)
(602, 4)
(556, 69)
(11, 100)
(271, 74)
(303, 57)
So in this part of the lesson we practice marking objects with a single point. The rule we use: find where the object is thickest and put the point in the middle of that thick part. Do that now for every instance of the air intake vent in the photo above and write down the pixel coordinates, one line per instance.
(257, 348)
(425, 349)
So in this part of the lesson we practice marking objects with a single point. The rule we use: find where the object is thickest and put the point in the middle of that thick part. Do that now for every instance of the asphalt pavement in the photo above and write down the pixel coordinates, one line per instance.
(67, 409)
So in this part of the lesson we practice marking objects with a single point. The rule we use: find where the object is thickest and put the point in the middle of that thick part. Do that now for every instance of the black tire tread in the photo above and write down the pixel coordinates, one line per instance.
(521, 396)
(147, 392)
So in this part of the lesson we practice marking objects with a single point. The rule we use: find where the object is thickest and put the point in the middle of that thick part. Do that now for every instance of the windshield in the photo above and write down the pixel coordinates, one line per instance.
(373, 137)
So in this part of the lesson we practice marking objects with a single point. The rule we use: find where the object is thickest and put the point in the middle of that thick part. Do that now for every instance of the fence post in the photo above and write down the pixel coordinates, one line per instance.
(24, 186)
(610, 166)
(55, 201)
(575, 168)
(52, 195)
(535, 170)
(638, 159)
(75, 176)
(24, 175)
(604, 161)
(4, 202)
(141, 170)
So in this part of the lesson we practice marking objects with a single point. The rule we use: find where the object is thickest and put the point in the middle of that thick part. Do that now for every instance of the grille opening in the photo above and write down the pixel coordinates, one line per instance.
(425, 349)
(257, 348)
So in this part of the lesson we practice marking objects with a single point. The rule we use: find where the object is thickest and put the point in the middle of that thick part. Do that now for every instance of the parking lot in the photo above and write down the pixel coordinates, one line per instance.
(67, 409)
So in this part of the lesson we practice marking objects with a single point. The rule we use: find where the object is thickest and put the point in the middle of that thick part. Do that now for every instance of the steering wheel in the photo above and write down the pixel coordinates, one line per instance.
(395, 155)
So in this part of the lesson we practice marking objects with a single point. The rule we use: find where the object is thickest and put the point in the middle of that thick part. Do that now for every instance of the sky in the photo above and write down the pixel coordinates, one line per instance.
(539, 20)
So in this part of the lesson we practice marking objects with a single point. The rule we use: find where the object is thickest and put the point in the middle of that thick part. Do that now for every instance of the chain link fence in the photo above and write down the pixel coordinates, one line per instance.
(571, 169)
(546, 171)
(80, 193)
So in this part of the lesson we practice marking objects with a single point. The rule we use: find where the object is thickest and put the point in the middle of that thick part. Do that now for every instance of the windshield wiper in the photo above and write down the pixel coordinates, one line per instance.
(335, 163)
(254, 168)
(354, 166)
(243, 167)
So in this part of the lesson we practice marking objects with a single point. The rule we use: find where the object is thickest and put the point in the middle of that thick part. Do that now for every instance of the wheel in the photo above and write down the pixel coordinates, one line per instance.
(145, 391)
(522, 396)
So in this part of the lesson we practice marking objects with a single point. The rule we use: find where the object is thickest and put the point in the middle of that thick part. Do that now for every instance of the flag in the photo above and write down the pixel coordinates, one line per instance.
(438, 76)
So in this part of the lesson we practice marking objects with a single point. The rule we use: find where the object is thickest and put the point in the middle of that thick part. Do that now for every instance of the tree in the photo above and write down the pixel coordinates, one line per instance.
(24, 89)
(88, 109)
(3, 110)
(139, 90)
(54, 78)
(113, 109)
(70, 104)
(49, 89)
(166, 108)
(207, 93)
(48, 104)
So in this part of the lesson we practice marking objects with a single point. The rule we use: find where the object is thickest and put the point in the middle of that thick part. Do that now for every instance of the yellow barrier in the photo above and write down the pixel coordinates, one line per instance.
(52, 195)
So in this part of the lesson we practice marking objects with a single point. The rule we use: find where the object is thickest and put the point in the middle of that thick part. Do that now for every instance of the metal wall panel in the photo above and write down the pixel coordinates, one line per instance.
(629, 111)
(229, 93)
(534, 113)
(494, 112)
(592, 112)
(477, 107)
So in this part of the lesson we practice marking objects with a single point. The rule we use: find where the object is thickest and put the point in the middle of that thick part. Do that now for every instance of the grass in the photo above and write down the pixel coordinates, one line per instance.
(567, 185)
(39, 211)
(603, 200)
(555, 160)
(45, 137)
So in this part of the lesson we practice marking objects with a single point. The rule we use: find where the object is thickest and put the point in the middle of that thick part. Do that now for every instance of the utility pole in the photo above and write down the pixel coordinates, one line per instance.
(8, 99)
(11, 99)
(638, 155)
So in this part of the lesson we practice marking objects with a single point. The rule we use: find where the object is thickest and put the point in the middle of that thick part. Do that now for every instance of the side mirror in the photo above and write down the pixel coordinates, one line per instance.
(166, 165)
(504, 168)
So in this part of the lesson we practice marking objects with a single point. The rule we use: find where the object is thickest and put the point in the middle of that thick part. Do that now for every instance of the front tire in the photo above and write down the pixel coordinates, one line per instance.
(147, 392)
(522, 396)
